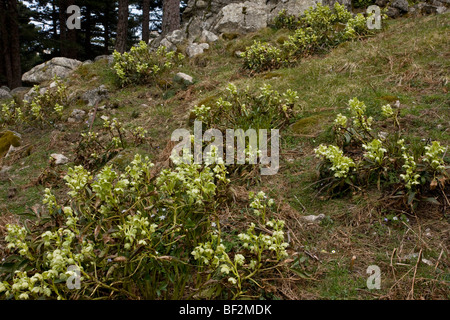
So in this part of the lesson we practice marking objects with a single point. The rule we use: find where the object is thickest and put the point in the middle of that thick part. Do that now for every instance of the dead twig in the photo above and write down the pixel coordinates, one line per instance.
(411, 292)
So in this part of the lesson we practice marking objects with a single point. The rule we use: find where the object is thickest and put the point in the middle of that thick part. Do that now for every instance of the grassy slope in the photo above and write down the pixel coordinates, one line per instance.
(409, 61)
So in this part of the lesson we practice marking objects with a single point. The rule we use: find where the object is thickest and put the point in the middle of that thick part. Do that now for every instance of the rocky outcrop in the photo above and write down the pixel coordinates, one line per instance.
(398, 8)
(205, 20)
(46, 71)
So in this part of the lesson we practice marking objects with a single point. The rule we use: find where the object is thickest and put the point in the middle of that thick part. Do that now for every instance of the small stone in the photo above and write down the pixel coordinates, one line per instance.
(77, 115)
(196, 49)
(313, 218)
(5, 169)
(183, 78)
(59, 158)
(238, 54)
(208, 36)
(94, 96)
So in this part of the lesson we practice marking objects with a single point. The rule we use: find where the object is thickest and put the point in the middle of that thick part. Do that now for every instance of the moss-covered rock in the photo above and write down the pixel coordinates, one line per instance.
(308, 125)
(8, 139)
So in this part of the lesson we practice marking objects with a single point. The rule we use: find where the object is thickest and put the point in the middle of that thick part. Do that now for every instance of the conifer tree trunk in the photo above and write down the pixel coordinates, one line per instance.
(171, 16)
(146, 21)
(9, 34)
(122, 26)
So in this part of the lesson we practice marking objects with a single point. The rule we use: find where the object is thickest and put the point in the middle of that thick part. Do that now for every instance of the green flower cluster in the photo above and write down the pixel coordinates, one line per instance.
(259, 203)
(388, 153)
(340, 164)
(261, 57)
(433, 156)
(141, 65)
(357, 110)
(62, 249)
(283, 20)
(375, 152)
(242, 109)
(44, 106)
(256, 249)
(411, 177)
(319, 29)
(137, 230)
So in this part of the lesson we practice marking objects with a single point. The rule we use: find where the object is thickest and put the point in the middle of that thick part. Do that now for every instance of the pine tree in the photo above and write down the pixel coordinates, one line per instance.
(122, 26)
(171, 16)
(10, 42)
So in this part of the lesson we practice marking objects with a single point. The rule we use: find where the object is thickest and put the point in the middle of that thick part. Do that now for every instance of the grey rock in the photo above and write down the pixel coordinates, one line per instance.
(238, 54)
(402, 5)
(195, 49)
(242, 17)
(168, 45)
(208, 36)
(77, 115)
(5, 95)
(94, 96)
(297, 7)
(176, 37)
(430, 9)
(59, 158)
(238, 16)
(381, 3)
(313, 218)
(441, 9)
(5, 88)
(5, 169)
(107, 57)
(183, 78)
(393, 12)
(32, 93)
(200, 4)
(19, 89)
(59, 66)
(87, 62)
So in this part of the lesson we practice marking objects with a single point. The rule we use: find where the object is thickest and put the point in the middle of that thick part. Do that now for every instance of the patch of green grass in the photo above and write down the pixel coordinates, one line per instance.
(339, 283)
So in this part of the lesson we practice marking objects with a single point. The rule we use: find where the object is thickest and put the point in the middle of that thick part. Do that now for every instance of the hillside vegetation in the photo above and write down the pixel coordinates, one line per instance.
(364, 135)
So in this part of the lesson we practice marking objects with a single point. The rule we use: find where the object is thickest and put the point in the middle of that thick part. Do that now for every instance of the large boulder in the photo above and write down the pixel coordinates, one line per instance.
(237, 16)
(243, 17)
(46, 71)
(297, 7)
